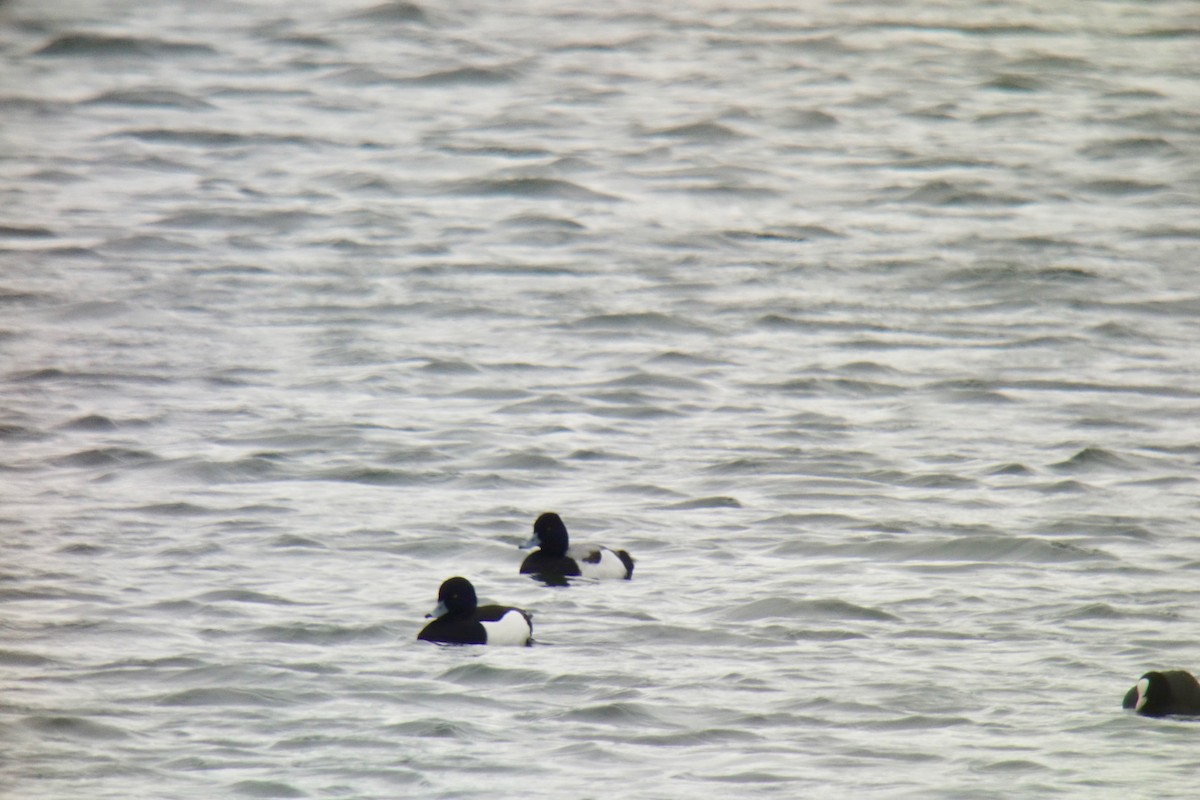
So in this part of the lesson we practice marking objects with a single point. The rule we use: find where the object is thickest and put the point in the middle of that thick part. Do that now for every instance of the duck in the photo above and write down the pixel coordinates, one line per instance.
(459, 619)
(1159, 694)
(556, 557)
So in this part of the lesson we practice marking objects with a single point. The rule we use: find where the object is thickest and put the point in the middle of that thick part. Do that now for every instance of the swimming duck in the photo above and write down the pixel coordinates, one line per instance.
(555, 556)
(1158, 694)
(459, 619)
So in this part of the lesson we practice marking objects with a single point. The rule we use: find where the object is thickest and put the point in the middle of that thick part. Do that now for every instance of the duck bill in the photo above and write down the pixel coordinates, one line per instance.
(438, 612)
(533, 542)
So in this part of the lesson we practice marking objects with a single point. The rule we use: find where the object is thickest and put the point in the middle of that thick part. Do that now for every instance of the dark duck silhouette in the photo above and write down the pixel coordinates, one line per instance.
(556, 557)
(459, 619)
(1161, 694)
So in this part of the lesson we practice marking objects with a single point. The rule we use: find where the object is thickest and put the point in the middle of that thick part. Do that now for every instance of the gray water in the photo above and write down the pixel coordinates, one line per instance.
(869, 328)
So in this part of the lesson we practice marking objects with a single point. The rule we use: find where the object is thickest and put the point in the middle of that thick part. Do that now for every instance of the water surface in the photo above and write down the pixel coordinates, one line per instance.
(868, 328)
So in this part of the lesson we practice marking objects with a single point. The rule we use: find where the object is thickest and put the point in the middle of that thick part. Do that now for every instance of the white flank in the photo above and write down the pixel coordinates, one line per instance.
(1143, 686)
(609, 566)
(512, 628)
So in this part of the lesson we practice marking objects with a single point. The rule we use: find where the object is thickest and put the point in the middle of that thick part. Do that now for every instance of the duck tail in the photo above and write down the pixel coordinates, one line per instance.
(627, 560)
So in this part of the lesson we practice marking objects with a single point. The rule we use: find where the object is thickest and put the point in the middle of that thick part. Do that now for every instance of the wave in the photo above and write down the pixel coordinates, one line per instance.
(462, 76)
(229, 696)
(150, 98)
(20, 658)
(439, 728)
(967, 548)
(94, 422)
(634, 411)
(526, 461)
(785, 233)
(704, 502)
(481, 674)
(148, 244)
(997, 28)
(529, 188)
(544, 223)
(360, 76)
(177, 509)
(1092, 459)
(1155, 123)
(93, 310)
(325, 635)
(640, 379)
(25, 232)
(1009, 82)
(71, 727)
(107, 457)
(265, 221)
(438, 366)
(1168, 232)
(261, 788)
(14, 432)
(947, 193)
(826, 609)
(1106, 611)
(636, 715)
(1121, 187)
(641, 321)
(1076, 386)
(378, 476)
(702, 131)
(810, 120)
(244, 596)
(836, 387)
(550, 403)
(1011, 468)
(703, 736)
(260, 467)
(972, 395)
(1131, 147)
(199, 137)
(93, 45)
(396, 11)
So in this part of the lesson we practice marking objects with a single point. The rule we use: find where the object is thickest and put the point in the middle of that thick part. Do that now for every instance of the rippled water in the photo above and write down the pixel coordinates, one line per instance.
(870, 329)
